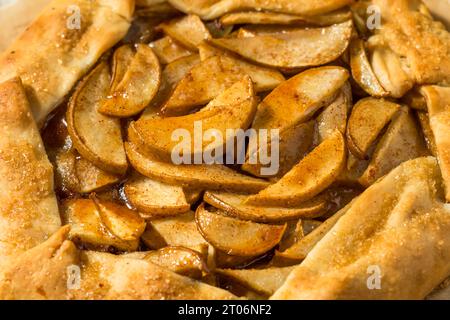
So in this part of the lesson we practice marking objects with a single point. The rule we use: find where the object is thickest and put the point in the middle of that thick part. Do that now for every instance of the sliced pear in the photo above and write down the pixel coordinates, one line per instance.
(234, 205)
(261, 17)
(415, 100)
(76, 174)
(309, 177)
(174, 231)
(171, 75)
(362, 70)
(122, 222)
(213, 177)
(388, 68)
(138, 86)
(237, 237)
(292, 49)
(401, 142)
(212, 9)
(299, 250)
(424, 121)
(96, 137)
(121, 60)
(89, 230)
(211, 77)
(353, 170)
(334, 116)
(225, 260)
(168, 50)
(369, 117)
(232, 110)
(294, 143)
(183, 261)
(264, 281)
(153, 198)
(297, 99)
(438, 104)
(188, 30)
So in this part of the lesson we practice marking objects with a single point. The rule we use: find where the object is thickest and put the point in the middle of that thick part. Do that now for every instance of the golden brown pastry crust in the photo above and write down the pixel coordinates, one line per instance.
(51, 55)
(423, 42)
(399, 224)
(28, 207)
(438, 103)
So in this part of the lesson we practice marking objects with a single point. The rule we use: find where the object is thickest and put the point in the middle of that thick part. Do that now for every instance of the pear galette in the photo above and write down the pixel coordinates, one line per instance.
(118, 180)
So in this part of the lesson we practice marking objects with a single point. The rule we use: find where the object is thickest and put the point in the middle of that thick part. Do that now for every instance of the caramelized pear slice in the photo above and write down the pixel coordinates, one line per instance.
(138, 86)
(294, 143)
(168, 50)
(213, 177)
(171, 75)
(188, 30)
(212, 9)
(334, 116)
(87, 227)
(264, 281)
(234, 205)
(121, 60)
(438, 104)
(362, 70)
(368, 119)
(153, 198)
(174, 231)
(401, 142)
(424, 121)
(77, 174)
(237, 237)
(293, 48)
(309, 177)
(120, 221)
(261, 17)
(297, 99)
(96, 137)
(232, 110)
(211, 77)
(183, 261)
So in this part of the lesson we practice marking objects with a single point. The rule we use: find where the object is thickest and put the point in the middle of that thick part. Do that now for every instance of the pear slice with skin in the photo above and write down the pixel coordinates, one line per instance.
(401, 142)
(294, 143)
(213, 177)
(237, 237)
(96, 137)
(309, 177)
(122, 222)
(233, 204)
(334, 116)
(168, 50)
(362, 70)
(232, 110)
(369, 117)
(297, 99)
(265, 18)
(153, 198)
(438, 104)
(211, 77)
(264, 281)
(121, 60)
(188, 30)
(180, 230)
(293, 48)
(212, 9)
(138, 86)
(183, 261)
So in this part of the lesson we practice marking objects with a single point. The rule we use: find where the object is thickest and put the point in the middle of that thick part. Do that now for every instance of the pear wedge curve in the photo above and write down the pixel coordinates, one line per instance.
(96, 137)
(294, 48)
(308, 178)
